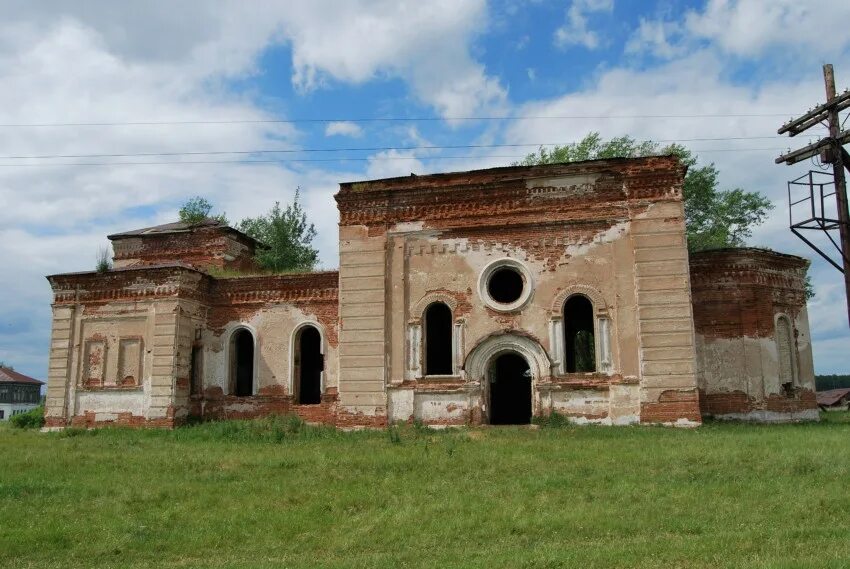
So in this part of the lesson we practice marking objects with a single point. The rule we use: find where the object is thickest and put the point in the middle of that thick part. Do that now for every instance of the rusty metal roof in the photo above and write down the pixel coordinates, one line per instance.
(832, 396)
(178, 227)
(11, 376)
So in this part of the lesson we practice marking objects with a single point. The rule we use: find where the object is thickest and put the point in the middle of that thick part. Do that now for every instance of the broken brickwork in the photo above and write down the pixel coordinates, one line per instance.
(754, 355)
(206, 245)
(593, 318)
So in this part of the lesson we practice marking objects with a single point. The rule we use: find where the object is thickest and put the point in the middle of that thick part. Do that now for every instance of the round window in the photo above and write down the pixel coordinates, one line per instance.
(505, 285)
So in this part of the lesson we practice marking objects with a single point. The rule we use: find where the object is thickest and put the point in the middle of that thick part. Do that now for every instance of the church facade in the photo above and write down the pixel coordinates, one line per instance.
(482, 297)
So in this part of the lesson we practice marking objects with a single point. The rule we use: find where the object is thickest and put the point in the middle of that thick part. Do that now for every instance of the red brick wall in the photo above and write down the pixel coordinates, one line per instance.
(202, 247)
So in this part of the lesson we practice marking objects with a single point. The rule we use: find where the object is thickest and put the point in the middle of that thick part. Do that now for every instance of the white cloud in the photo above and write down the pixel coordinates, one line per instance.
(575, 31)
(423, 43)
(658, 37)
(343, 128)
(750, 27)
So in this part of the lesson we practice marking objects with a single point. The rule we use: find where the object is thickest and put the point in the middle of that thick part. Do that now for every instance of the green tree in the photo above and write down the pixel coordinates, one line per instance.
(713, 217)
(287, 237)
(197, 209)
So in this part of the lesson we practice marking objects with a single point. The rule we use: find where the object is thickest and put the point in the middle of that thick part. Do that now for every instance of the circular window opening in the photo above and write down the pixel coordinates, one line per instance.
(505, 285)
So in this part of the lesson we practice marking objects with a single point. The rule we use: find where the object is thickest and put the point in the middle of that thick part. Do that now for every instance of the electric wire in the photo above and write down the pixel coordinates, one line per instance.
(313, 160)
(388, 119)
(353, 149)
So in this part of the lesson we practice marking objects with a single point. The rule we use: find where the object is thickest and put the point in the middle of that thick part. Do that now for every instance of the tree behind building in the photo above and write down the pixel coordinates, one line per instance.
(713, 217)
(287, 236)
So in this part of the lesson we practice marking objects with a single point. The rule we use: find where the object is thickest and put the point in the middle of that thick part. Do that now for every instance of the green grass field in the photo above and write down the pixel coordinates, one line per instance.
(274, 493)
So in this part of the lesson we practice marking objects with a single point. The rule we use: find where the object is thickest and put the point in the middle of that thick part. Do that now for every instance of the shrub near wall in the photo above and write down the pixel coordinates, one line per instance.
(32, 419)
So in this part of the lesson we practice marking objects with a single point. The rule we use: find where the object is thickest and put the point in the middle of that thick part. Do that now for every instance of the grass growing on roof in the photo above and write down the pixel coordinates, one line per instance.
(278, 493)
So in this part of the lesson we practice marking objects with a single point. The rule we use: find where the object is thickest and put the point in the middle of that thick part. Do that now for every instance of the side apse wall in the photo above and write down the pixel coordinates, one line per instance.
(754, 354)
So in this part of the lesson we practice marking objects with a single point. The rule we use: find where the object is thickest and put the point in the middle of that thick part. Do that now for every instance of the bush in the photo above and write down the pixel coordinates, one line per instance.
(32, 419)
(553, 420)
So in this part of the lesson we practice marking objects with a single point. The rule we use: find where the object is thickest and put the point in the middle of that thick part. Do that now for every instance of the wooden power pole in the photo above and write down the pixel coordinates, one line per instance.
(831, 149)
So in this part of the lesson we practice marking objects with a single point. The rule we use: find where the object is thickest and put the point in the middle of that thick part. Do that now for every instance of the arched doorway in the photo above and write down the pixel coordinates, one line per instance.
(242, 363)
(509, 390)
(309, 364)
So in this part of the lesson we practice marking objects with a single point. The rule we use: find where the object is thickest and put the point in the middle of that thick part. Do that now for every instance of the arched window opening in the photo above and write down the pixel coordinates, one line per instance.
(579, 341)
(509, 385)
(438, 339)
(785, 346)
(309, 365)
(242, 363)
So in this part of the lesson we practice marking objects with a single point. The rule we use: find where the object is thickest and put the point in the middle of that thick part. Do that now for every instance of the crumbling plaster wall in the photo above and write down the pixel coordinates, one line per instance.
(739, 296)
(273, 309)
(113, 346)
(202, 247)
(573, 229)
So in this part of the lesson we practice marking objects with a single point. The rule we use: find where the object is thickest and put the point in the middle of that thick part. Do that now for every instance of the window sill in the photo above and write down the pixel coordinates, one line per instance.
(452, 378)
(109, 388)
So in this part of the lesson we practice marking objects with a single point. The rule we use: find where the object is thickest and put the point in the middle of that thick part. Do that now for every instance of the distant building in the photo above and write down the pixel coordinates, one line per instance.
(490, 296)
(18, 393)
(834, 399)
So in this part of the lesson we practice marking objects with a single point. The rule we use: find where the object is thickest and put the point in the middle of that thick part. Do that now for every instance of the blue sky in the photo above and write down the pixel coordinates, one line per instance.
(626, 61)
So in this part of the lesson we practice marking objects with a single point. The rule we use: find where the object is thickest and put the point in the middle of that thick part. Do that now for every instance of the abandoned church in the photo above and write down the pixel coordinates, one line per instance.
(481, 297)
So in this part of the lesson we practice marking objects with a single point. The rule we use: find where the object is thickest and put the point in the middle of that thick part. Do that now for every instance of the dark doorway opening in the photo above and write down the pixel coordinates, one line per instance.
(580, 352)
(505, 285)
(196, 371)
(438, 339)
(510, 390)
(243, 363)
(309, 364)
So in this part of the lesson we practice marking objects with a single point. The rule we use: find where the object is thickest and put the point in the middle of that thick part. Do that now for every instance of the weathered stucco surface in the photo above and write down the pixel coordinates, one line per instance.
(157, 340)
(740, 295)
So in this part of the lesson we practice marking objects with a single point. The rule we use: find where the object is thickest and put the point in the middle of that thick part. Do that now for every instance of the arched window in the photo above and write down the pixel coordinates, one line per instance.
(242, 363)
(785, 347)
(579, 341)
(309, 365)
(438, 339)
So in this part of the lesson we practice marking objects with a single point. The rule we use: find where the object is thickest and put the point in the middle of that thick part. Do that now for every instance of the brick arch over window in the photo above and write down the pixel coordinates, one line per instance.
(309, 374)
(416, 337)
(601, 327)
(241, 360)
(420, 307)
(594, 296)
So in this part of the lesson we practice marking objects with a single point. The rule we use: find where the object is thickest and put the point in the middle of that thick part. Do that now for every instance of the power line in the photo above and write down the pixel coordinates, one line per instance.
(356, 149)
(390, 119)
(309, 160)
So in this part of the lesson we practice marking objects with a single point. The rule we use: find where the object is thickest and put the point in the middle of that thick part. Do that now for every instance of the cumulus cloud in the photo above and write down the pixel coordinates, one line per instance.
(575, 31)
(343, 128)
(749, 29)
(424, 43)
(658, 37)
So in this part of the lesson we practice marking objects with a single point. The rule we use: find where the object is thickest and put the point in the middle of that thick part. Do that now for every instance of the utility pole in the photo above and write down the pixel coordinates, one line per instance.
(831, 149)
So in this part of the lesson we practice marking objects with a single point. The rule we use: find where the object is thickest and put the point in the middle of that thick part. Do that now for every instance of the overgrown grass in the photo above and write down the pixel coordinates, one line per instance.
(278, 493)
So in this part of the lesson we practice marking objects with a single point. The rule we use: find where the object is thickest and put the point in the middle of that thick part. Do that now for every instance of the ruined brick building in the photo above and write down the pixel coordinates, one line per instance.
(488, 296)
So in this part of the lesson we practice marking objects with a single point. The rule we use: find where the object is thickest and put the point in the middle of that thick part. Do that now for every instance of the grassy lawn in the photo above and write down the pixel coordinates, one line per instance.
(273, 493)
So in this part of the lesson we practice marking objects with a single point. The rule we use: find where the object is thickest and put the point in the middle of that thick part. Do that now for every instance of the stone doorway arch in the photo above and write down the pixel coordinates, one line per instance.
(485, 360)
